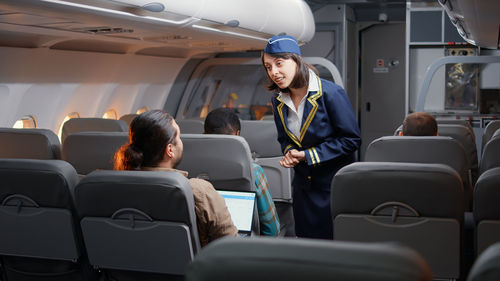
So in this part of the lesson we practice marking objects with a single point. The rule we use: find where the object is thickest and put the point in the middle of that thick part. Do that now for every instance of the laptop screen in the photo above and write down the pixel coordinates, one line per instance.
(241, 207)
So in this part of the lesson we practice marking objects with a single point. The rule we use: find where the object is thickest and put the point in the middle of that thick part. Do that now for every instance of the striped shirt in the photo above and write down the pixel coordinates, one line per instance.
(269, 222)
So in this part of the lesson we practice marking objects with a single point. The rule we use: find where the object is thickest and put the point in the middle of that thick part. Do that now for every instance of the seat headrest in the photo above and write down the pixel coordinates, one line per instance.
(225, 160)
(262, 138)
(76, 125)
(161, 195)
(48, 182)
(433, 190)
(306, 259)
(191, 126)
(436, 149)
(486, 267)
(486, 194)
(89, 151)
(29, 144)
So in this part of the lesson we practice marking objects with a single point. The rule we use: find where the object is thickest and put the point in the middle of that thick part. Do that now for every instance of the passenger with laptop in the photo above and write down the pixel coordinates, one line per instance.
(155, 145)
(225, 121)
(419, 124)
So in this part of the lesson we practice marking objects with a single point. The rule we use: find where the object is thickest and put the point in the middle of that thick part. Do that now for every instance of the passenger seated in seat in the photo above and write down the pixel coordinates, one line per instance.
(155, 145)
(419, 124)
(225, 121)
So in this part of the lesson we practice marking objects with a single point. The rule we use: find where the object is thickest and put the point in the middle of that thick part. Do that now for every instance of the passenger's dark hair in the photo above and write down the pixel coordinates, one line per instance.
(222, 121)
(420, 124)
(149, 135)
(301, 78)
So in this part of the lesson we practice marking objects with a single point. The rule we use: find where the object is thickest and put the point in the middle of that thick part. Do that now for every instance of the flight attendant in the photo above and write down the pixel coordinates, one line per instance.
(317, 131)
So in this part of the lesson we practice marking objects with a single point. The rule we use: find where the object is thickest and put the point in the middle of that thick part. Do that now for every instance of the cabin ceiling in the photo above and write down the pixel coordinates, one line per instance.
(48, 24)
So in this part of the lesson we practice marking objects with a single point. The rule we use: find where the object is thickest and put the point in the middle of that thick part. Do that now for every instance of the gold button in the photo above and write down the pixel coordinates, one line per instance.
(309, 177)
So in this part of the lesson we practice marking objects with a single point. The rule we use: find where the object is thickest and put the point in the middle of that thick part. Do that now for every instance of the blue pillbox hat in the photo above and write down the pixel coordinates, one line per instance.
(282, 44)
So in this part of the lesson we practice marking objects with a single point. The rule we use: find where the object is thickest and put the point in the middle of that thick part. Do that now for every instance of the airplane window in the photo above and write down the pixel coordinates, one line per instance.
(26, 122)
(237, 87)
(110, 114)
(66, 118)
(241, 88)
(142, 109)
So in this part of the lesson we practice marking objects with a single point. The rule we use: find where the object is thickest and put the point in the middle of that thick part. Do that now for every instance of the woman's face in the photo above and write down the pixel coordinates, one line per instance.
(280, 70)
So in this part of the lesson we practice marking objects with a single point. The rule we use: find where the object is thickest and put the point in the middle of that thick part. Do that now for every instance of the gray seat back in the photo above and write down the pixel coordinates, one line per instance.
(77, 125)
(488, 132)
(38, 219)
(486, 209)
(148, 216)
(128, 118)
(384, 201)
(262, 138)
(306, 259)
(191, 126)
(491, 152)
(224, 160)
(462, 122)
(487, 265)
(89, 151)
(29, 144)
(466, 138)
(440, 149)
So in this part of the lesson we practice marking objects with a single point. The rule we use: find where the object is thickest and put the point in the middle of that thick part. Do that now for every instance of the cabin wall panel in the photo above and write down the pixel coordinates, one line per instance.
(49, 84)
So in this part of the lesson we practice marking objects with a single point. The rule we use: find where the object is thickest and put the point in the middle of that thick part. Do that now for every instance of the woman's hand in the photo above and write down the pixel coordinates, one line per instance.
(292, 158)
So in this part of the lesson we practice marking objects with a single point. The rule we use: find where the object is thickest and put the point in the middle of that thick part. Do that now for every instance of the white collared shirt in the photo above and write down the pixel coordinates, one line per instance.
(294, 117)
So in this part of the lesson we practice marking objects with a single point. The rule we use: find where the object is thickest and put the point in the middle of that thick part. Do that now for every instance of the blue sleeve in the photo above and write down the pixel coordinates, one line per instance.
(345, 138)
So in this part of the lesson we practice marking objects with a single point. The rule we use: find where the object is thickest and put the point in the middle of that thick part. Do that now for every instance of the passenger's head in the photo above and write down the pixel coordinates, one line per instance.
(154, 140)
(284, 65)
(222, 121)
(419, 124)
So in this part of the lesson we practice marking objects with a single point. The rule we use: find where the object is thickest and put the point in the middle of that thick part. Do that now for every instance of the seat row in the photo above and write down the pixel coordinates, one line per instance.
(142, 224)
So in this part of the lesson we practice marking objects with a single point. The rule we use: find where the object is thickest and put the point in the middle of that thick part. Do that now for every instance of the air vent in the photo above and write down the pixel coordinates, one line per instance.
(104, 30)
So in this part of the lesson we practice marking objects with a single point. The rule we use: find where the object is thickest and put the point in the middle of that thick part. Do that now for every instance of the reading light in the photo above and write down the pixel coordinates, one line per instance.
(154, 7)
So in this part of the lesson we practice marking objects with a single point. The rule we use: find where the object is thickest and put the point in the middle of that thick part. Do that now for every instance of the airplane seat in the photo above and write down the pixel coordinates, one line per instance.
(262, 139)
(487, 265)
(290, 259)
(435, 149)
(138, 225)
(40, 238)
(488, 132)
(420, 205)
(223, 160)
(40, 144)
(269, 117)
(89, 151)
(76, 125)
(128, 118)
(462, 122)
(191, 126)
(486, 209)
(466, 138)
(491, 151)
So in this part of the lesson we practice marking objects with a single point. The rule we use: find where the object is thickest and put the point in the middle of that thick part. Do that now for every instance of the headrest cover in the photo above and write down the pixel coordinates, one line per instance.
(282, 44)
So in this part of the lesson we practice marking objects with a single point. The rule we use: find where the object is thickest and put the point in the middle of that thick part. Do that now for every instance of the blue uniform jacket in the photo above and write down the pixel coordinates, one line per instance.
(329, 135)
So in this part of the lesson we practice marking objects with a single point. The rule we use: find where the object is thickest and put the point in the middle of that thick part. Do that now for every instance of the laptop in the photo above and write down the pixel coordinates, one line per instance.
(241, 206)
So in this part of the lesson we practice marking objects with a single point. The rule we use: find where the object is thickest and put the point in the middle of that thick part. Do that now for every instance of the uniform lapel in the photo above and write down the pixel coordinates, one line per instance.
(283, 113)
(310, 109)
